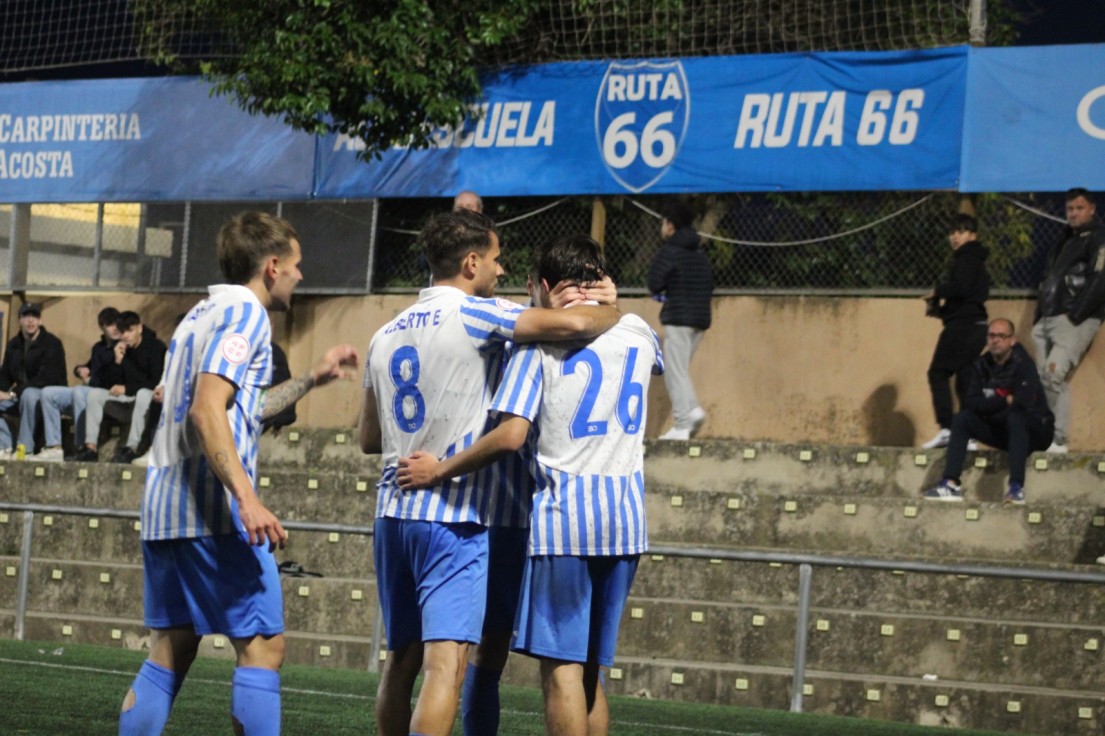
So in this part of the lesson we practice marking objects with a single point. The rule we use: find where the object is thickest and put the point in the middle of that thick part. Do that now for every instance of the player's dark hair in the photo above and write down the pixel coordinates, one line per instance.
(679, 214)
(450, 236)
(1077, 192)
(963, 222)
(575, 258)
(107, 316)
(247, 240)
(126, 320)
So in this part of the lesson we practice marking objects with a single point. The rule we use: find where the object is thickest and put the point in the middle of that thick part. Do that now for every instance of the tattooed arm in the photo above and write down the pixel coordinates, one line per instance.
(208, 415)
(336, 363)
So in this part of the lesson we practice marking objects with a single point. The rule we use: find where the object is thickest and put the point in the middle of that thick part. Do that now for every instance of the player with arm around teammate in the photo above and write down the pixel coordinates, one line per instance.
(588, 525)
(207, 539)
(429, 378)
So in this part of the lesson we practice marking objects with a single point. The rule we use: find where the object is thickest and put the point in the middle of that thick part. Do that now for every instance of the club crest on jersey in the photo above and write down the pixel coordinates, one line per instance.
(641, 116)
(235, 349)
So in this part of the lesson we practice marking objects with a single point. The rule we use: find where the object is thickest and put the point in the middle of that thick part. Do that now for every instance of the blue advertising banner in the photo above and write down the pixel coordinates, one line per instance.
(799, 122)
(1035, 119)
(166, 139)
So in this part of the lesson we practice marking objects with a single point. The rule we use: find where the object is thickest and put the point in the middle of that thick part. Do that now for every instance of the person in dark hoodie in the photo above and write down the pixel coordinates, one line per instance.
(33, 360)
(1006, 408)
(1070, 305)
(682, 278)
(960, 303)
(59, 399)
(139, 358)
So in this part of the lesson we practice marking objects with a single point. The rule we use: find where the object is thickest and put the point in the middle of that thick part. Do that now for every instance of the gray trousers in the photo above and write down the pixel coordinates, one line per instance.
(1060, 345)
(94, 413)
(679, 345)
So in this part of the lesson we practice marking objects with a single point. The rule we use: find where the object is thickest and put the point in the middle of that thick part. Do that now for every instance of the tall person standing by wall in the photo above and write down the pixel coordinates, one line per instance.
(683, 279)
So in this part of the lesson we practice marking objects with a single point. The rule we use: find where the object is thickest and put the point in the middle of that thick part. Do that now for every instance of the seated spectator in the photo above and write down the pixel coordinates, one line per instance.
(138, 359)
(1006, 409)
(57, 400)
(33, 360)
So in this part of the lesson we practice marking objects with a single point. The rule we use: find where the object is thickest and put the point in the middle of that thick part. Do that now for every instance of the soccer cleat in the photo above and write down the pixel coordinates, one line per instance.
(1015, 495)
(676, 434)
(940, 440)
(944, 491)
(48, 455)
(1057, 449)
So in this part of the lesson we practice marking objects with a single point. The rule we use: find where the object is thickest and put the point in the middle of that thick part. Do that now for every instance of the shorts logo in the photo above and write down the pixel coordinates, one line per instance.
(235, 349)
(641, 116)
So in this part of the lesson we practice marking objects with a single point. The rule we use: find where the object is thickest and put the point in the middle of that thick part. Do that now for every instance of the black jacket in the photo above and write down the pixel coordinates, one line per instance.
(682, 274)
(990, 383)
(1075, 281)
(102, 356)
(36, 363)
(964, 292)
(141, 366)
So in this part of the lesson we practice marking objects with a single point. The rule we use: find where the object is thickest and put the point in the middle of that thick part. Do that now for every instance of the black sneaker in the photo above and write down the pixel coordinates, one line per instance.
(124, 455)
(85, 455)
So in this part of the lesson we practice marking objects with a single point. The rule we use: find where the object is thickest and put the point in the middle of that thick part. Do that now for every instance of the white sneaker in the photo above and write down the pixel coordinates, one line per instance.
(940, 440)
(676, 434)
(1101, 560)
(972, 446)
(7, 453)
(697, 417)
(48, 455)
(142, 461)
(1057, 449)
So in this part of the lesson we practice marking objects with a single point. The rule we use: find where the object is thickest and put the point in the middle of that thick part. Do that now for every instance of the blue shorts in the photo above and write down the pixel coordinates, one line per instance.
(505, 567)
(571, 607)
(431, 579)
(216, 585)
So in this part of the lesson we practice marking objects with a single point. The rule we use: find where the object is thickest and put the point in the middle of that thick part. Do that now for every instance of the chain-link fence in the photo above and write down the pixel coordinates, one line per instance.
(857, 242)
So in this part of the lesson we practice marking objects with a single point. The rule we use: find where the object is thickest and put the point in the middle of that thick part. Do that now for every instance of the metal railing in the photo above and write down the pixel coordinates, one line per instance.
(804, 562)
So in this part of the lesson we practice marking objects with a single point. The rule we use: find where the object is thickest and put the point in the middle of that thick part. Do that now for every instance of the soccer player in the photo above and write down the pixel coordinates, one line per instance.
(207, 539)
(429, 378)
(587, 528)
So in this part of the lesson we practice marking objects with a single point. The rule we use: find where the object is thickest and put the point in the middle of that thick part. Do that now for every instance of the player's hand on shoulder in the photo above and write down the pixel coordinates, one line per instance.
(260, 524)
(417, 470)
(565, 294)
(338, 362)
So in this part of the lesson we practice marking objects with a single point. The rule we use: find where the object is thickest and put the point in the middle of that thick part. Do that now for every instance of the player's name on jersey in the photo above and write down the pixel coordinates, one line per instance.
(414, 321)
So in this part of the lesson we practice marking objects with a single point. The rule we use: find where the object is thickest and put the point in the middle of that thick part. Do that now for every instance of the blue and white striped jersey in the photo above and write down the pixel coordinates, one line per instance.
(434, 369)
(587, 401)
(227, 334)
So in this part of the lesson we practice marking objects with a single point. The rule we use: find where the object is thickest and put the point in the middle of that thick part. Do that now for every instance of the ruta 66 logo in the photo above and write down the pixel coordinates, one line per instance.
(641, 116)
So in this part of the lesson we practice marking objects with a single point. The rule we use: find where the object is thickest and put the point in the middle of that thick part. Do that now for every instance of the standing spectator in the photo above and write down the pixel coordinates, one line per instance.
(681, 277)
(1006, 408)
(1070, 305)
(137, 361)
(468, 200)
(961, 305)
(58, 399)
(33, 360)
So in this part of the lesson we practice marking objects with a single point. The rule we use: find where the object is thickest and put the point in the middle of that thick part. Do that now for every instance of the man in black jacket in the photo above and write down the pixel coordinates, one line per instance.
(1070, 305)
(961, 299)
(139, 358)
(33, 360)
(682, 278)
(1006, 408)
